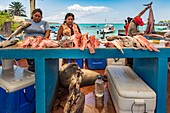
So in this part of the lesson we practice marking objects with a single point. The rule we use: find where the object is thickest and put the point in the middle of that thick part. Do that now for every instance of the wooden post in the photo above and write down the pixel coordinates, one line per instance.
(32, 6)
(6, 29)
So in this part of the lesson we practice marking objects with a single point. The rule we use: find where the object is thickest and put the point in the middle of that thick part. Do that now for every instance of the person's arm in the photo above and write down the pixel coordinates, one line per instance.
(59, 34)
(47, 34)
(47, 31)
(78, 29)
(143, 11)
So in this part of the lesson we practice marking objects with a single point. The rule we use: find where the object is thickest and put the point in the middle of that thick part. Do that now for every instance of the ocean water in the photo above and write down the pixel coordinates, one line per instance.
(93, 28)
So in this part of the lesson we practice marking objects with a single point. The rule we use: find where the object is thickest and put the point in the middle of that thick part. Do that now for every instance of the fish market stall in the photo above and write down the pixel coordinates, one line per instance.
(150, 66)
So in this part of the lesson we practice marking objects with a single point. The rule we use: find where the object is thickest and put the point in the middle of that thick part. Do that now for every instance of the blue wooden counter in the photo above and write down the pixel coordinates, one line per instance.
(150, 66)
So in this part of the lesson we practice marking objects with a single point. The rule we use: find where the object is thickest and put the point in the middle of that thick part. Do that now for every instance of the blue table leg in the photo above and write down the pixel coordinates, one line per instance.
(46, 84)
(154, 72)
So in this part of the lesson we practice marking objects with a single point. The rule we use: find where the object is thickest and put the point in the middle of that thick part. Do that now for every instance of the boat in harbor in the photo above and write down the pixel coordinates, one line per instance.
(54, 29)
(162, 27)
(108, 28)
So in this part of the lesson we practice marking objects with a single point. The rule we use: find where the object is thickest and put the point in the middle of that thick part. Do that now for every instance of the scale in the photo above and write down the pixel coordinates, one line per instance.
(14, 77)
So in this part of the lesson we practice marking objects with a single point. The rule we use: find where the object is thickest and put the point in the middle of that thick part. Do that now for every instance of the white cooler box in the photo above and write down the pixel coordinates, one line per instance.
(129, 93)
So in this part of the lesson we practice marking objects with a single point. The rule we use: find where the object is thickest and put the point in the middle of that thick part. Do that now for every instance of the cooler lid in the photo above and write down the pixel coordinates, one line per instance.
(11, 81)
(128, 84)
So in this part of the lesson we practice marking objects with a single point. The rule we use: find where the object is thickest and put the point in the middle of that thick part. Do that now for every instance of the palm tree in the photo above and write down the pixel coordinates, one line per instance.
(16, 8)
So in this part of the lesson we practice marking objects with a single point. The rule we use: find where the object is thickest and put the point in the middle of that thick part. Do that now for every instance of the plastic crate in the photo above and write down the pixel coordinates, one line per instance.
(2, 38)
(20, 101)
(96, 63)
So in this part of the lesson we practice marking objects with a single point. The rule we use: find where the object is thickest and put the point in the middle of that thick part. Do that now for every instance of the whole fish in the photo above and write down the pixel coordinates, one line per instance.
(150, 23)
(7, 43)
(19, 30)
(118, 45)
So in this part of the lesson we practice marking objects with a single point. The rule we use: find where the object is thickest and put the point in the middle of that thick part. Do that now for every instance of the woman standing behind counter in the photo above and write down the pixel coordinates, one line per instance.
(68, 26)
(37, 28)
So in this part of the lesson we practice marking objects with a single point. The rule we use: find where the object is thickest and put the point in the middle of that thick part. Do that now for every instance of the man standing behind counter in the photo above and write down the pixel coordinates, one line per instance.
(133, 30)
(137, 21)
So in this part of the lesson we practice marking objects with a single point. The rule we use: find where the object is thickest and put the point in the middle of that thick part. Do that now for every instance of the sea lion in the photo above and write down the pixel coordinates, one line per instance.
(67, 70)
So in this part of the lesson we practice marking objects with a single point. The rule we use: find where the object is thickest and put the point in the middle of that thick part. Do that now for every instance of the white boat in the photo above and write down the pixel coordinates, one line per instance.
(167, 29)
(108, 28)
(162, 27)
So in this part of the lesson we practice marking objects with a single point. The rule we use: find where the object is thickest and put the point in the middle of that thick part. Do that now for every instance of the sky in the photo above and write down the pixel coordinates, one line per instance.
(95, 11)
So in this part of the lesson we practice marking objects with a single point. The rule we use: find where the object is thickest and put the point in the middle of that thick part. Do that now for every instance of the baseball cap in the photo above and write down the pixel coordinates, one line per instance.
(138, 21)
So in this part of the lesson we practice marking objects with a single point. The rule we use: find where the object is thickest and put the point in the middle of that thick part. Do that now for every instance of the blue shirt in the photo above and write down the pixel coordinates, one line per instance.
(36, 28)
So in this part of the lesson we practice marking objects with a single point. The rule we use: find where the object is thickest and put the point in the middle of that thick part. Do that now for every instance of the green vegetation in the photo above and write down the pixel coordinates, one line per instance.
(17, 9)
(6, 17)
(164, 21)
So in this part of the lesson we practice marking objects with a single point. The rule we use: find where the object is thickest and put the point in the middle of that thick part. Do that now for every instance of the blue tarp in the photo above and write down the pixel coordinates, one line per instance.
(2, 38)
